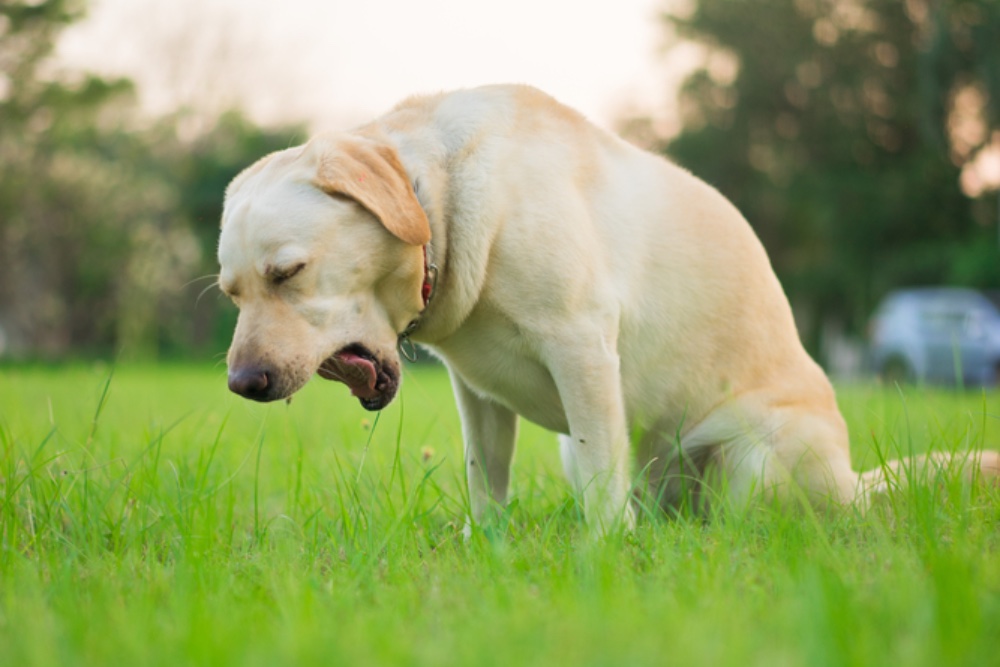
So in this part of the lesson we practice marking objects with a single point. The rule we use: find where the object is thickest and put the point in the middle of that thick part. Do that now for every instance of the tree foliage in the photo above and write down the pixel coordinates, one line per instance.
(105, 216)
(832, 124)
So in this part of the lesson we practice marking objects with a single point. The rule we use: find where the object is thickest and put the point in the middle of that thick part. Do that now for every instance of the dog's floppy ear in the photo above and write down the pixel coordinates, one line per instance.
(372, 175)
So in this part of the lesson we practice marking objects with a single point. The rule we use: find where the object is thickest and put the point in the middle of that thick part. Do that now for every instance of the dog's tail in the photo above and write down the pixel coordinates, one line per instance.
(975, 466)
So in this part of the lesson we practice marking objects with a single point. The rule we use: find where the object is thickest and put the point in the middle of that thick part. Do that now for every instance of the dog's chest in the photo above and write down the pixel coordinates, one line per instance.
(500, 362)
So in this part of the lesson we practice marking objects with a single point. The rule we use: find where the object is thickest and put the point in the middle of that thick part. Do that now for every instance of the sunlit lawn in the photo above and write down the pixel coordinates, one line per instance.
(168, 522)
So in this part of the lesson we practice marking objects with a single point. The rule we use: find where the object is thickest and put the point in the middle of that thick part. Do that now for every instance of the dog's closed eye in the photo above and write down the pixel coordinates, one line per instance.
(279, 275)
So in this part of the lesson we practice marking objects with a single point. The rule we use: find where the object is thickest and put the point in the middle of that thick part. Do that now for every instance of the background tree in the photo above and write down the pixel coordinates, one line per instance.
(53, 174)
(105, 216)
(832, 126)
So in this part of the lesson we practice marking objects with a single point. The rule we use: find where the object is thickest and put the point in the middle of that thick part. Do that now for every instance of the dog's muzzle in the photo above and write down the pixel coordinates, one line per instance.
(372, 381)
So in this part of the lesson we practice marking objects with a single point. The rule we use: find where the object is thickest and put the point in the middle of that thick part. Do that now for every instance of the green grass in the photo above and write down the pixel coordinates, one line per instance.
(154, 519)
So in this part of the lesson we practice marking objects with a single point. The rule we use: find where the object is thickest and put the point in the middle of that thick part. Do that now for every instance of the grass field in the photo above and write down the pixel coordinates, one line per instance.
(154, 519)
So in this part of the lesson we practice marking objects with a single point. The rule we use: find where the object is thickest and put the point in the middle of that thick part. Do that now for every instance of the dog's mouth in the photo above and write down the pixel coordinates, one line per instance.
(373, 382)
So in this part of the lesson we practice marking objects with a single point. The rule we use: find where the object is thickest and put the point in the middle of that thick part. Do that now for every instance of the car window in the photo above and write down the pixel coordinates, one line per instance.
(993, 297)
(943, 321)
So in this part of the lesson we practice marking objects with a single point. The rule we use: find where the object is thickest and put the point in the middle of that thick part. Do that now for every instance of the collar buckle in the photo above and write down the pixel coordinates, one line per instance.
(406, 347)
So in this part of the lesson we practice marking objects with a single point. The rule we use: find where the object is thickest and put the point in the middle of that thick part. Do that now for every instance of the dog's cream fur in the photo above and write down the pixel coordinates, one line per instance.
(586, 285)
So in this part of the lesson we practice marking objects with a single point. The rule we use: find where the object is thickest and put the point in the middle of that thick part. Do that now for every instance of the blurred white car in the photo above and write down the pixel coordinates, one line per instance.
(937, 334)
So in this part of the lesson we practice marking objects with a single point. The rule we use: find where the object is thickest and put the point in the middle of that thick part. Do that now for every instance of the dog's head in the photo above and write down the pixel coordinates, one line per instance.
(321, 251)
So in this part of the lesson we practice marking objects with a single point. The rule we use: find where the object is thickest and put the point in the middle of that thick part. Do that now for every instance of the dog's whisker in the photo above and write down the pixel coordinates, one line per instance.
(210, 276)
(206, 290)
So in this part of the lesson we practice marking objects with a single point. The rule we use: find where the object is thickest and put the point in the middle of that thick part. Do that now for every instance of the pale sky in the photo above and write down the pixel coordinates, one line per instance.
(335, 63)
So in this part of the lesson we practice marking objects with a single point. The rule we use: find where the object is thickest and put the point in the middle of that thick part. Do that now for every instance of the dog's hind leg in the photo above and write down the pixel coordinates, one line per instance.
(669, 477)
(785, 455)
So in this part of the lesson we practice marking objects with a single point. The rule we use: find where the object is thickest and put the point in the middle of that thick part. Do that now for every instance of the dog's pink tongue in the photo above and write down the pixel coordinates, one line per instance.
(356, 372)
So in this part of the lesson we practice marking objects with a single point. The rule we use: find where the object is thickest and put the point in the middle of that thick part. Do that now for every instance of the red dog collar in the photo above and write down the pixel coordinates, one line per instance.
(406, 346)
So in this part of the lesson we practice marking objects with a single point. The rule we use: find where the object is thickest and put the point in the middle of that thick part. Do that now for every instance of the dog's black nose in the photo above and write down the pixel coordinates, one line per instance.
(251, 383)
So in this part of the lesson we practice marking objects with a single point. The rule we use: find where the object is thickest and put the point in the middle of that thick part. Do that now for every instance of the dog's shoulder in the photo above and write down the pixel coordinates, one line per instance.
(507, 110)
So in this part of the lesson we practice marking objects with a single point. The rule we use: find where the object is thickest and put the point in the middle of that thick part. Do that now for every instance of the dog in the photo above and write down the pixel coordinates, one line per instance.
(562, 275)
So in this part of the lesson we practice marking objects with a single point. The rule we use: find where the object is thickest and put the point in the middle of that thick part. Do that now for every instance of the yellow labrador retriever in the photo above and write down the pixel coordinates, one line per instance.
(562, 274)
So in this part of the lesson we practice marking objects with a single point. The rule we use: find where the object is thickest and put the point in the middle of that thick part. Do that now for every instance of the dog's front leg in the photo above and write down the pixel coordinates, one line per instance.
(596, 450)
(489, 431)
